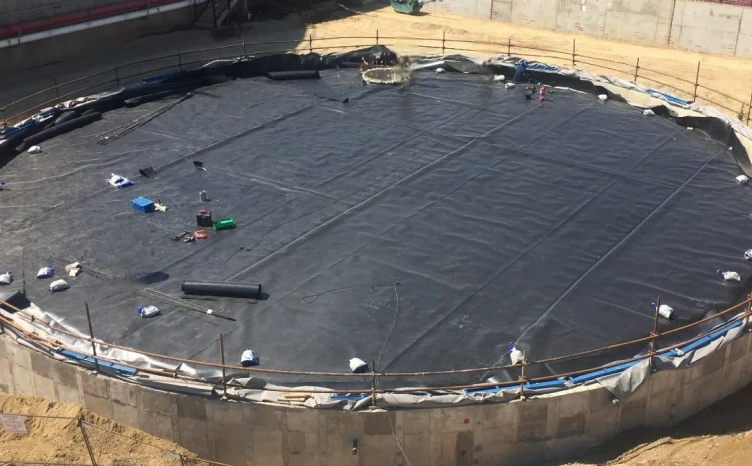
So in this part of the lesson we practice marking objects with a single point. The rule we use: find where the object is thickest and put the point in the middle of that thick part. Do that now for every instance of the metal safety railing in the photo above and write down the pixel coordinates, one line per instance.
(94, 441)
(738, 315)
(134, 71)
(695, 90)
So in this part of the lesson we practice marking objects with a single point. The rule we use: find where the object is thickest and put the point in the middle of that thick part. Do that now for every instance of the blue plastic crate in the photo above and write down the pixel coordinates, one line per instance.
(142, 205)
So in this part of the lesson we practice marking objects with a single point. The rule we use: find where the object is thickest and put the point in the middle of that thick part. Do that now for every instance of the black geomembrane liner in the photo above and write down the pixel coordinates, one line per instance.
(479, 217)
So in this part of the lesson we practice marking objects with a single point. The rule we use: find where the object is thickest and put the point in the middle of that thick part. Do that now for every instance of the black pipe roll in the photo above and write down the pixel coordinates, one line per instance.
(222, 289)
(57, 130)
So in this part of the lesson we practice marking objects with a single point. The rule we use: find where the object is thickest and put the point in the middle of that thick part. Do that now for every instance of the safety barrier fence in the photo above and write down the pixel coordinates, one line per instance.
(133, 72)
(737, 315)
(86, 443)
(696, 89)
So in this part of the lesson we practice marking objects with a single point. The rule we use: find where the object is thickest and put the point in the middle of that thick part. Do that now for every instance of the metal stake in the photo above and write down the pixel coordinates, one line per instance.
(443, 42)
(509, 47)
(245, 54)
(377, 37)
(224, 375)
(654, 334)
(57, 91)
(636, 70)
(310, 42)
(373, 382)
(574, 51)
(91, 335)
(86, 441)
(522, 374)
(749, 110)
(117, 76)
(697, 81)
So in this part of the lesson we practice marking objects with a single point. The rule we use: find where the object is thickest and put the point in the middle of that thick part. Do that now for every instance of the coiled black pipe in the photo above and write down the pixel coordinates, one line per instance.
(223, 289)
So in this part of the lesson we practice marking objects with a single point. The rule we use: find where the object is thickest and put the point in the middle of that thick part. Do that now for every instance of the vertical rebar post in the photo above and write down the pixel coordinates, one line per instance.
(57, 91)
(373, 382)
(509, 47)
(522, 374)
(697, 82)
(86, 441)
(224, 374)
(654, 333)
(636, 70)
(443, 42)
(117, 76)
(91, 336)
(245, 54)
(574, 52)
(310, 43)
(377, 37)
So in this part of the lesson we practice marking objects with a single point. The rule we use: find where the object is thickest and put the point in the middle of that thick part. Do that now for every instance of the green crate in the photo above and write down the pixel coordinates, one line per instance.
(224, 224)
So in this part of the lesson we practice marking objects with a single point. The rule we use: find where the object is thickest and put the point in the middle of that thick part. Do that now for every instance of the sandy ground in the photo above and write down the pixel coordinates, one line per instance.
(720, 435)
(60, 441)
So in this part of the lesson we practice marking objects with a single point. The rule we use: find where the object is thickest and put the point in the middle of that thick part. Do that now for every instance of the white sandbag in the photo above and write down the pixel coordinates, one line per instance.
(730, 276)
(742, 179)
(358, 366)
(35, 150)
(249, 358)
(46, 272)
(148, 311)
(602, 97)
(6, 278)
(509, 85)
(665, 311)
(59, 285)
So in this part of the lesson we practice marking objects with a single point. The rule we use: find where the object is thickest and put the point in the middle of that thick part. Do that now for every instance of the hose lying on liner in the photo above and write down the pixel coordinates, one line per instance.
(223, 289)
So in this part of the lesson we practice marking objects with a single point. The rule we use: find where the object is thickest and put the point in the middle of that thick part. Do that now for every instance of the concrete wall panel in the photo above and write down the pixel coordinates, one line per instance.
(586, 16)
(20, 11)
(501, 10)
(744, 41)
(521, 432)
(480, 9)
(43, 52)
(706, 27)
(534, 13)
(639, 20)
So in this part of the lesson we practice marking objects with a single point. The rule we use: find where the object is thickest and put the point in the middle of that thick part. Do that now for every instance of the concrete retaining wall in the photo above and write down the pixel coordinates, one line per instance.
(700, 26)
(19, 11)
(42, 52)
(522, 432)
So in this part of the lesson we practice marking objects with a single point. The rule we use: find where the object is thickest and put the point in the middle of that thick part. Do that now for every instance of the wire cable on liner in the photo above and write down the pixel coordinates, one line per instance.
(117, 133)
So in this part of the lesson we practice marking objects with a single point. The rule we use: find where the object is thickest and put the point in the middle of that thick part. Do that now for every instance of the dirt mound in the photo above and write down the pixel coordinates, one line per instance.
(54, 436)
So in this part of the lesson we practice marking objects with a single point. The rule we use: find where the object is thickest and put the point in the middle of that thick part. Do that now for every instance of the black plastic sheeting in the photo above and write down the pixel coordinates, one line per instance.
(424, 227)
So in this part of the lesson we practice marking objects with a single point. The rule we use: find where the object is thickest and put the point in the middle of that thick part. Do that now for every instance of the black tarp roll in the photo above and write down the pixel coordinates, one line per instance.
(288, 75)
(223, 289)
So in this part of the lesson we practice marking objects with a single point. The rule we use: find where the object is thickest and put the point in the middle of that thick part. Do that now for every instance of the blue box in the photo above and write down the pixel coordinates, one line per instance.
(142, 205)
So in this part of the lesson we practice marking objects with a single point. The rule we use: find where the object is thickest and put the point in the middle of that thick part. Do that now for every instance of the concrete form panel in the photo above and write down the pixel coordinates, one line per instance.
(458, 7)
(534, 13)
(586, 16)
(744, 41)
(706, 27)
(501, 10)
(639, 20)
